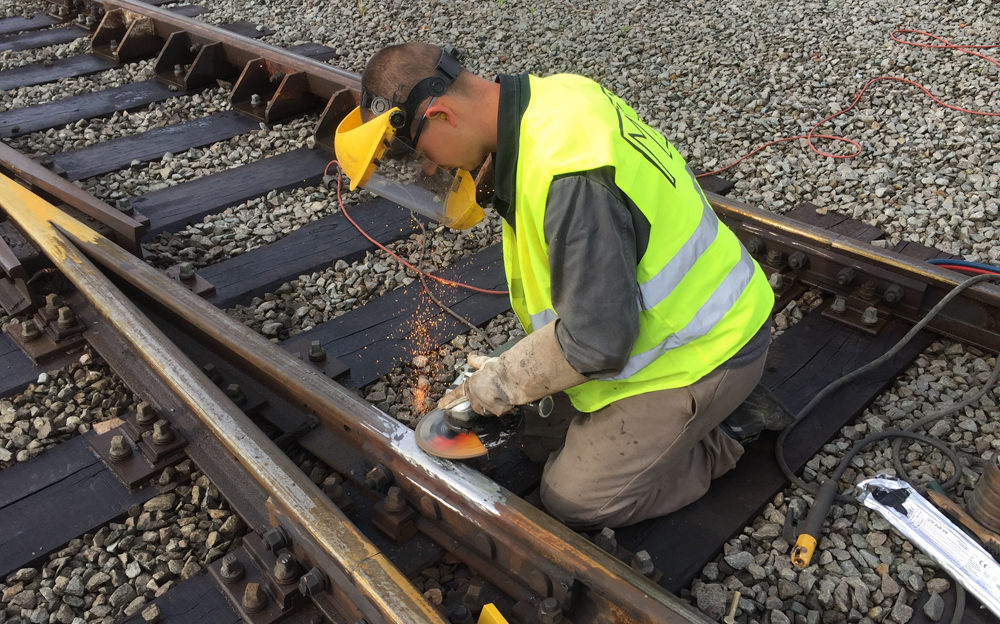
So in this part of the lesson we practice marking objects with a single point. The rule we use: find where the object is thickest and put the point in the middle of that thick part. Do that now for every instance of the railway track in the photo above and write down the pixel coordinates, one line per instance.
(235, 404)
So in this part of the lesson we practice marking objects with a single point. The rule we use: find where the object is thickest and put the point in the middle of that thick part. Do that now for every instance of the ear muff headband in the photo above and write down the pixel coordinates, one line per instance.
(447, 70)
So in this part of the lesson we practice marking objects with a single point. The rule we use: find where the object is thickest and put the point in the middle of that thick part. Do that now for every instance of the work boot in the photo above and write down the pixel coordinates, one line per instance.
(759, 412)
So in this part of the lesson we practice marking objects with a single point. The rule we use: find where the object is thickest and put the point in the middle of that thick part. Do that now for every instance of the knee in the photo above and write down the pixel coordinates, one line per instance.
(579, 508)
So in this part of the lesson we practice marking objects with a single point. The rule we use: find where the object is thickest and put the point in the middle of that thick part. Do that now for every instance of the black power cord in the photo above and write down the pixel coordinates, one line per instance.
(826, 493)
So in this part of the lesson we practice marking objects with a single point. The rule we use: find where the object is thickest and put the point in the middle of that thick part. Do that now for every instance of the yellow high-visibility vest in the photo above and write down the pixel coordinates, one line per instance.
(702, 296)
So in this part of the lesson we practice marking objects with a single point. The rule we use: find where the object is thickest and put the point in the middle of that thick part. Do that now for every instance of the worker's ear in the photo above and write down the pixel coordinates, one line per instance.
(441, 111)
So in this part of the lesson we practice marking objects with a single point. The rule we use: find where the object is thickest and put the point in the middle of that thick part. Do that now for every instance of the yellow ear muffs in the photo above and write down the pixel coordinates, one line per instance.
(462, 211)
(359, 144)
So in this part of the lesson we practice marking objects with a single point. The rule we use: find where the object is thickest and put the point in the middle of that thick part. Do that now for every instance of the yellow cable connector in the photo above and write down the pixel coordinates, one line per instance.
(803, 551)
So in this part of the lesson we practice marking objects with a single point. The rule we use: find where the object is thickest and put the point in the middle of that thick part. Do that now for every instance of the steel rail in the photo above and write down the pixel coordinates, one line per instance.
(472, 502)
(391, 596)
(239, 50)
(127, 231)
(972, 318)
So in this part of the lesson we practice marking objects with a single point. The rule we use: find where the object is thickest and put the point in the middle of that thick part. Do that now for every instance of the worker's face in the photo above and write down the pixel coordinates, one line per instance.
(445, 138)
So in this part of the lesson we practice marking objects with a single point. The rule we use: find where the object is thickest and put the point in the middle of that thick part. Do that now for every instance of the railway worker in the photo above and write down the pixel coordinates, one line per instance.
(637, 302)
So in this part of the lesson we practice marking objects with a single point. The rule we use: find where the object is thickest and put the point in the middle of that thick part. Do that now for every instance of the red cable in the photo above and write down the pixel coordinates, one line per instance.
(945, 45)
(446, 282)
(973, 270)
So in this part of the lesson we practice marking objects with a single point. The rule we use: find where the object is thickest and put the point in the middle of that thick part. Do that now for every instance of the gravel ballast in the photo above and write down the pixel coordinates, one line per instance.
(718, 79)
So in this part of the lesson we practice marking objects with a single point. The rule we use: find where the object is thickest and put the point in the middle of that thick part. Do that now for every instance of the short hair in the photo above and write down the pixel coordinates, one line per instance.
(395, 70)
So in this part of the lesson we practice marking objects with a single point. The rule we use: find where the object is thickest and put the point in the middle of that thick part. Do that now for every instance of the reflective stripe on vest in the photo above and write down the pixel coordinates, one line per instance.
(710, 313)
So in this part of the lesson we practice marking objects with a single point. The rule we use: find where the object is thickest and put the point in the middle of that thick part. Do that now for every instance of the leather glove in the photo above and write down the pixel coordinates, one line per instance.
(531, 369)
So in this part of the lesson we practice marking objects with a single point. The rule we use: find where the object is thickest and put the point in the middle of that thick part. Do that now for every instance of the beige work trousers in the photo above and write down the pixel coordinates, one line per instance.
(647, 455)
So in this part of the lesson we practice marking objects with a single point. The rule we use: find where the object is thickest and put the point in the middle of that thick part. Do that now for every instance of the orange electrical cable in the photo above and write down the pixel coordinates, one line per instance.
(894, 35)
(446, 282)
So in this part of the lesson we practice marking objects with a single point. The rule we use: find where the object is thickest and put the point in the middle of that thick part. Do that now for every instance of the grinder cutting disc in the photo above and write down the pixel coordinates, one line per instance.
(437, 438)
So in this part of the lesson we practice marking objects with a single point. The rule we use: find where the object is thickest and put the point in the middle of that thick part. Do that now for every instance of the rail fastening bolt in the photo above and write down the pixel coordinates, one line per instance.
(232, 569)
(275, 539)
(378, 478)
(145, 414)
(113, 44)
(394, 500)
(66, 318)
(549, 611)
(845, 276)
(178, 70)
(29, 330)
(606, 540)
(163, 433)
(195, 48)
(839, 305)
(893, 294)
(52, 303)
(120, 450)
(234, 392)
(316, 352)
(870, 316)
(312, 583)
(755, 245)
(255, 100)
(286, 569)
(777, 281)
(867, 290)
(185, 271)
(798, 260)
(776, 258)
(212, 373)
(254, 598)
(643, 563)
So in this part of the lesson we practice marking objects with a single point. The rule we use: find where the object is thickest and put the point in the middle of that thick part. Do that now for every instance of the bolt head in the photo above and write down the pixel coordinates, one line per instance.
(316, 352)
(275, 539)
(254, 598)
(145, 414)
(232, 569)
(312, 583)
(549, 611)
(163, 433)
(120, 449)
(29, 330)
(394, 500)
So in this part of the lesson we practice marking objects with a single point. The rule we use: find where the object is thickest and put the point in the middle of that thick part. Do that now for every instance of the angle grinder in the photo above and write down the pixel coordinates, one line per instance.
(449, 432)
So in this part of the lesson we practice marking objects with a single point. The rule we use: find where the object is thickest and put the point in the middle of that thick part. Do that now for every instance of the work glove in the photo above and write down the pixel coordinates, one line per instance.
(531, 369)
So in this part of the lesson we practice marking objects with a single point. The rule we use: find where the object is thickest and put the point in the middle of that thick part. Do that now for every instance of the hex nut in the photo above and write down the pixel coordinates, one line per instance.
(232, 569)
(145, 414)
(394, 500)
(549, 611)
(29, 330)
(163, 433)
(119, 450)
(606, 541)
(312, 583)
(275, 539)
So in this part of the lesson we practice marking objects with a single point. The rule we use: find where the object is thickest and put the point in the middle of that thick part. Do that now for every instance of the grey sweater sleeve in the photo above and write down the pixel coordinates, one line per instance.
(591, 232)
